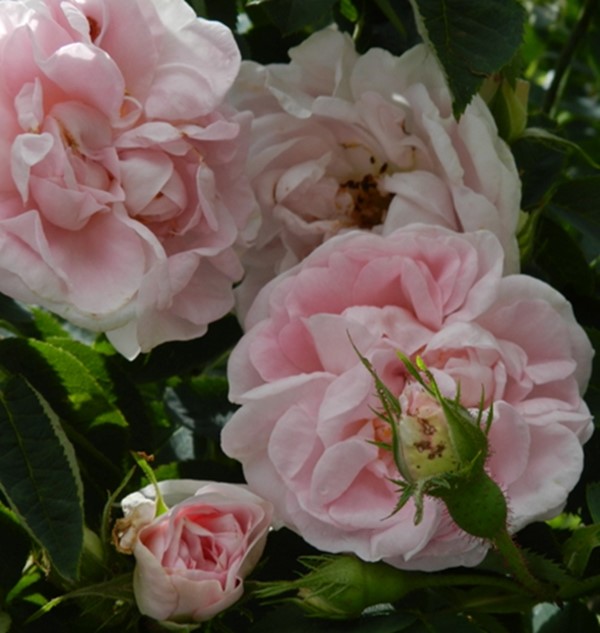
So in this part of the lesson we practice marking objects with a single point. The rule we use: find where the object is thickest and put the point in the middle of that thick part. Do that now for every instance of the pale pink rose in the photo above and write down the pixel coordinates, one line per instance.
(122, 188)
(342, 141)
(191, 562)
(304, 433)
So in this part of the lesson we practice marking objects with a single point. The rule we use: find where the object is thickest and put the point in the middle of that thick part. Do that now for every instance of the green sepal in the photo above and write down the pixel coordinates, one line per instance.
(141, 461)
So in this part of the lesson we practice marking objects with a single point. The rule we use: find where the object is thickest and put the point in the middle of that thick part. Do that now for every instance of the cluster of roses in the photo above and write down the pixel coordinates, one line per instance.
(146, 174)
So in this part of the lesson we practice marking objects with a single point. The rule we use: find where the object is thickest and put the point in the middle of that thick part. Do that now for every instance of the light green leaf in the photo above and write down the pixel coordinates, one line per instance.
(5, 622)
(39, 475)
(579, 546)
(69, 375)
(470, 39)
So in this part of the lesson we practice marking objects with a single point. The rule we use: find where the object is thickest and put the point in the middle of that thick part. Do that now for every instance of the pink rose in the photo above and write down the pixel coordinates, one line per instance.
(304, 433)
(122, 188)
(191, 562)
(344, 141)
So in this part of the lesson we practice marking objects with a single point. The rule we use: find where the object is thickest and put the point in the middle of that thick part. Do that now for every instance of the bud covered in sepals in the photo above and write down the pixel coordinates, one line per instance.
(426, 446)
(440, 450)
(507, 101)
(341, 587)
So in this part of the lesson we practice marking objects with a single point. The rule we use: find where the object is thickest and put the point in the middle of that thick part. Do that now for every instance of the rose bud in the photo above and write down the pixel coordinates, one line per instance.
(191, 561)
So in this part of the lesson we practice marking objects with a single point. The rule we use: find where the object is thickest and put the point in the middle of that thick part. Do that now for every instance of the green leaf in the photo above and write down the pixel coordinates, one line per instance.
(437, 623)
(14, 557)
(5, 622)
(199, 7)
(222, 10)
(470, 39)
(177, 358)
(579, 546)
(72, 385)
(592, 494)
(560, 258)
(546, 569)
(290, 619)
(592, 398)
(16, 318)
(574, 616)
(119, 588)
(291, 16)
(579, 201)
(47, 323)
(200, 404)
(541, 165)
(39, 475)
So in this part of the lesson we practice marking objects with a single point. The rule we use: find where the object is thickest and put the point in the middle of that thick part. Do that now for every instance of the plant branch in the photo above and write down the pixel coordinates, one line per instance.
(564, 61)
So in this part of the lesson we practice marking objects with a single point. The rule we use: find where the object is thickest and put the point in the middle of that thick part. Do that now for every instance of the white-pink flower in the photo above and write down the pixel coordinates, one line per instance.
(343, 141)
(122, 188)
(304, 433)
(191, 562)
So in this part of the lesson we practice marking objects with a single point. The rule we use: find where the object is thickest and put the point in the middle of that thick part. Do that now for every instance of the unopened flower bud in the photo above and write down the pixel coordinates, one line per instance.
(343, 587)
(508, 103)
(92, 556)
(424, 436)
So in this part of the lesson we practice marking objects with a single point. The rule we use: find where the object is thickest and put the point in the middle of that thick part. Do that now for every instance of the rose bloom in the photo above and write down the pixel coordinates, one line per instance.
(191, 562)
(122, 188)
(344, 141)
(306, 429)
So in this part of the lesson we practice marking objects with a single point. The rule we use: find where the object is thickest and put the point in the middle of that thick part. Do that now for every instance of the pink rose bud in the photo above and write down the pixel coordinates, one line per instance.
(191, 562)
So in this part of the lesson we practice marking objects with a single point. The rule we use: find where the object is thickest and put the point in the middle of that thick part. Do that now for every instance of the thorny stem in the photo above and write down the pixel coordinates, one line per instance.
(513, 557)
(564, 61)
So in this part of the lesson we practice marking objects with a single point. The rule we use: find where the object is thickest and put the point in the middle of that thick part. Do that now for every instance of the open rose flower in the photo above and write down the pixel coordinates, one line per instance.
(191, 562)
(344, 141)
(306, 433)
(122, 192)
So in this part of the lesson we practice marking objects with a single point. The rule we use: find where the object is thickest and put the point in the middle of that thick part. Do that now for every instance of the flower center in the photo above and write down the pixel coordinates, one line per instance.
(369, 205)
(94, 29)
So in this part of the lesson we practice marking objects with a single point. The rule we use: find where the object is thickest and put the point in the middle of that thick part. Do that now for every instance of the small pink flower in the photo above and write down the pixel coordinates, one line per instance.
(191, 562)
(306, 434)
(343, 141)
(122, 188)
